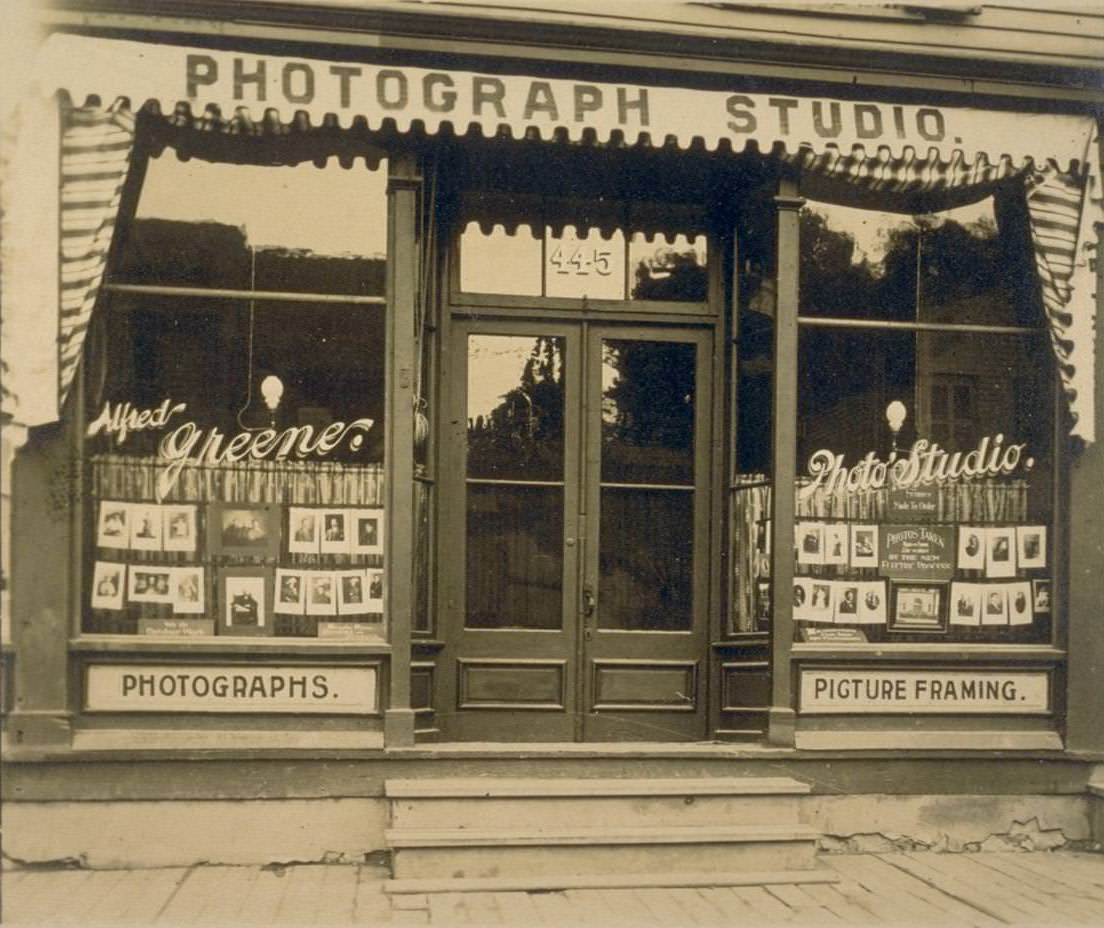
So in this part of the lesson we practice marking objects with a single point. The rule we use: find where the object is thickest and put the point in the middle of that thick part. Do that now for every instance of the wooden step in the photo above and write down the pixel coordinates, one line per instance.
(468, 853)
(467, 787)
(609, 881)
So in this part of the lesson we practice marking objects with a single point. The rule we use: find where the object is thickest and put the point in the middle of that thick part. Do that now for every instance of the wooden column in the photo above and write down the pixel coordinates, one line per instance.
(403, 190)
(781, 718)
(1085, 589)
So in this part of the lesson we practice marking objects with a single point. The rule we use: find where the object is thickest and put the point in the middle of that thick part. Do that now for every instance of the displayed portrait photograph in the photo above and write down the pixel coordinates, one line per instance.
(187, 591)
(245, 530)
(244, 600)
(918, 607)
(1031, 546)
(802, 599)
(145, 527)
(149, 584)
(351, 592)
(178, 528)
(321, 593)
(303, 530)
(335, 532)
(108, 585)
(971, 547)
(836, 543)
(1040, 595)
(847, 602)
(113, 527)
(366, 531)
(374, 590)
(994, 604)
(1020, 604)
(821, 600)
(872, 603)
(809, 538)
(965, 604)
(864, 546)
(1000, 558)
(291, 592)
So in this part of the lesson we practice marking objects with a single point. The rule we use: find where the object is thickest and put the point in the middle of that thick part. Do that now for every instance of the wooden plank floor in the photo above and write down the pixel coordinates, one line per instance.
(920, 889)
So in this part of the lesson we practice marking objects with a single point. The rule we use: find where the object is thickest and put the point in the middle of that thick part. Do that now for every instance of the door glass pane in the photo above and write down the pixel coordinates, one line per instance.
(514, 556)
(647, 412)
(646, 562)
(515, 407)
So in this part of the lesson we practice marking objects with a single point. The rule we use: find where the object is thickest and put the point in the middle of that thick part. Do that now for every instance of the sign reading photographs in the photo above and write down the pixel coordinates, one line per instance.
(927, 691)
(339, 690)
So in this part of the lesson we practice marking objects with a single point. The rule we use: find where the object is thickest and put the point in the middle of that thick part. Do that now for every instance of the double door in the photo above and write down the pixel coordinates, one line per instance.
(575, 532)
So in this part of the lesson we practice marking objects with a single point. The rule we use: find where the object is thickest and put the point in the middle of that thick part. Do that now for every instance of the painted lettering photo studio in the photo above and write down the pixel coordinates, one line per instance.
(408, 405)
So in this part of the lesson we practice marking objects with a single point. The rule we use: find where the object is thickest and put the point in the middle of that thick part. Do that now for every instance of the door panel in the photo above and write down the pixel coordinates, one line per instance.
(575, 533)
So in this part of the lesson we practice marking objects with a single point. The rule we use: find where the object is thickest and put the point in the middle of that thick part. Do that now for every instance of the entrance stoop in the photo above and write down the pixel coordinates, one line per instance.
(500, 833)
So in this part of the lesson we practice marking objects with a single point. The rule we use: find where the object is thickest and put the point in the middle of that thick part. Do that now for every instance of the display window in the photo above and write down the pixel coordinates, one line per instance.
(234, 396)
(925, 434)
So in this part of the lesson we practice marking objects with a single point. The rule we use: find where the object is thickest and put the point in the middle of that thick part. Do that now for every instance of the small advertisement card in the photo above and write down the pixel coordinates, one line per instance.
(912, 504)
(917, 552)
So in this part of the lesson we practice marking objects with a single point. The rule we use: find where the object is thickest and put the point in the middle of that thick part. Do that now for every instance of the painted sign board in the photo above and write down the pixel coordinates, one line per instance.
(912, 504)
(933, 692)
(298, 688)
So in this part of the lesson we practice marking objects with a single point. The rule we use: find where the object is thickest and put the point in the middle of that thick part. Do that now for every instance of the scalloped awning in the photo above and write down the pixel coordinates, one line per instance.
(207, 78)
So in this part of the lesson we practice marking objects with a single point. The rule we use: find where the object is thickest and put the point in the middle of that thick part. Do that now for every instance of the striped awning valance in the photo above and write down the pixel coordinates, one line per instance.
(876, 147)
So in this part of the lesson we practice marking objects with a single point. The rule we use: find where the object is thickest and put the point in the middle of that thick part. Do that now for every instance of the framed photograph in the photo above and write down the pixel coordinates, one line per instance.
(821, 599)
(178, 528)
(108, 585)
(1040, 595)
(1031, 546)
(1020, 611)
(994, 604)
(366, 531)
(335, 532)
(864, 546)
(373, 601)
(872, 603)
(321, 593)
(245, 601)
(303, 530)
(243, 531)
(113, 527)
(188, 591)
(836, 543)
(149, 584)
(351, 592)
(971, 547)
(1000, 552)
(965, 606)
(809, 538)
(918, 607)
(291, 592)
(145, 527)
(847, 602)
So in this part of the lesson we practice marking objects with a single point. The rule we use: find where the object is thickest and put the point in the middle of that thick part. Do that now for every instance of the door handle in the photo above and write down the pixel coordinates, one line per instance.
(588, 601)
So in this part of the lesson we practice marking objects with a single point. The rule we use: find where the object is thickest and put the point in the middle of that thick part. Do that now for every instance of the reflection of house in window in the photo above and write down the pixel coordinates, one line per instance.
(951, 402)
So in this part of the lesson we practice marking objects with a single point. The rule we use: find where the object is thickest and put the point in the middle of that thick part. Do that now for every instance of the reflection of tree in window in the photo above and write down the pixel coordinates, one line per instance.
(670, 275)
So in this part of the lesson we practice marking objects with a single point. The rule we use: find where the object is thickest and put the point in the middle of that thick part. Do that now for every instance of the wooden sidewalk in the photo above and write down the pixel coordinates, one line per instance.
(922, 889)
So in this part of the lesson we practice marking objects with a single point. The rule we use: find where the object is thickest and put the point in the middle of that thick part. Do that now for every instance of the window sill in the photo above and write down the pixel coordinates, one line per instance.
(277, 647)
(955, 653)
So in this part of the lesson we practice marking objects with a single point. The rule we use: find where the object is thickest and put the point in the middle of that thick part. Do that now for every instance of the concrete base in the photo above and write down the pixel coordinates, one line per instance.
(179, 834)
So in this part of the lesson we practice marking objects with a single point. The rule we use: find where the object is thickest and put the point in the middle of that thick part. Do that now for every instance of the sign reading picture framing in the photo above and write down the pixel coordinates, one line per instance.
(298, 688)
(933, 692)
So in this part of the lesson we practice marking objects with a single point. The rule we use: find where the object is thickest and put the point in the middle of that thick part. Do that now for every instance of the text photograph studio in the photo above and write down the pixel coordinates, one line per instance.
(424, 390)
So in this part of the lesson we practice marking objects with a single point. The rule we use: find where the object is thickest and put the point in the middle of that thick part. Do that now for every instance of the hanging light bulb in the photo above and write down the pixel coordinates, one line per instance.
(895, 414)
(272, 390)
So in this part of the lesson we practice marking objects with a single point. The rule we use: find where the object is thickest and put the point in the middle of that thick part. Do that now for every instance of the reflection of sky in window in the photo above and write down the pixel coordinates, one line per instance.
(495, 366)
(870, 227)
(330, 211)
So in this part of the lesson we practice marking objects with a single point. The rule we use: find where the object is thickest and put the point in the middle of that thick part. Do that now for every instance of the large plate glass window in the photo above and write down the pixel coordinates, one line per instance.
(235, 385)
